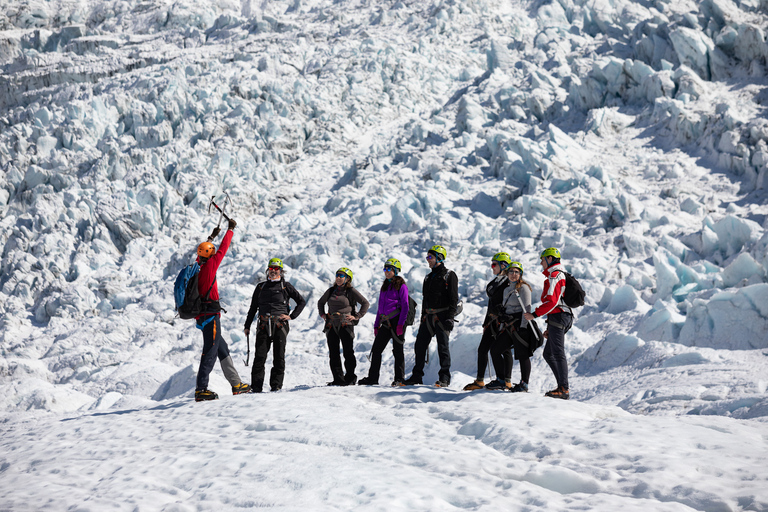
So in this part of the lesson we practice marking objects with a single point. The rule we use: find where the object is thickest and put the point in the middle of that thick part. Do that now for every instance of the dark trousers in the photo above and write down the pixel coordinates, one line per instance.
(213, 346)
(379, 344)
(263, 342)
(501, 355)
(344, 337)
(499, 365)
(554, 350)
(423, 339)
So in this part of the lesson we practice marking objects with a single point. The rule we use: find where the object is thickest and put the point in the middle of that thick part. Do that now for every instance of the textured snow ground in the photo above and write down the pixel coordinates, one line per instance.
(632, 135)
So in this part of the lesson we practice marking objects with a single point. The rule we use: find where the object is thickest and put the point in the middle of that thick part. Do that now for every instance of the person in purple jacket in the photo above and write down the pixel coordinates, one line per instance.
(389, 324)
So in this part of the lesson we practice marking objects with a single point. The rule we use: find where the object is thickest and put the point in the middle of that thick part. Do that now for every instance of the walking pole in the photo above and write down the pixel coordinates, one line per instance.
(248, 342)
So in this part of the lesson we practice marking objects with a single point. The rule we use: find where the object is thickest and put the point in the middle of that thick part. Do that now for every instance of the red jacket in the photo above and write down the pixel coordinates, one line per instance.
(208, 270)
(552, 295)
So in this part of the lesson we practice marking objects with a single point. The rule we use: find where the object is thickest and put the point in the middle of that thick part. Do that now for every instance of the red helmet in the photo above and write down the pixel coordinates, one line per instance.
(206, 250)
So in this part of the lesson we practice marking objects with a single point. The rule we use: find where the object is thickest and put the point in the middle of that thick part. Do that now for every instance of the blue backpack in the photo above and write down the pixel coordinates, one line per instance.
(189, 303)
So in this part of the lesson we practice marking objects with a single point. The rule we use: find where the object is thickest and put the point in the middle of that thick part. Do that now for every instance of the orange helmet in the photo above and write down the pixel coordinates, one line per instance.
(206, 250)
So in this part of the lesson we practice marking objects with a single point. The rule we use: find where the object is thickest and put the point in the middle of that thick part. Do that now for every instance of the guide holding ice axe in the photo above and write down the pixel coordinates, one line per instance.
(214, 345)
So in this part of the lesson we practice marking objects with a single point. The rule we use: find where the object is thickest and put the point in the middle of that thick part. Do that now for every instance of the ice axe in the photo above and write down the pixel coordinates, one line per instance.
(227, 201)
(248, 342)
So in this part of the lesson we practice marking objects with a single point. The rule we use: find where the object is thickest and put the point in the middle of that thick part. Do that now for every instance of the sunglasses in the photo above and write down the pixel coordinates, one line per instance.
(389, 269)
(515, 272)
(341, 274)
(430, 257)
(494, 264)
(274, 269)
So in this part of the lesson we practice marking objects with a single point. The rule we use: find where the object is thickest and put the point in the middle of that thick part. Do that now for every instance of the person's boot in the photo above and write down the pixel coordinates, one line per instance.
(496, 385)
(367, 381)
(412, 381)
(442, 384)
(520, 387)
(559, 392)
(350, 380)
(202, 395)
(397, 384)
(241, 388)
(472, 386)
(337, 382)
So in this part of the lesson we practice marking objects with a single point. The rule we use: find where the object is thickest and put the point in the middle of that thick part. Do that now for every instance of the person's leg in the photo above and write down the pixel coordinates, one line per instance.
(501, 354)
(556, 345)
(397, 352)
(444, 353)
(278, 359)
(379, 344)
(482, 354)
(423, 339)
(333, 354)
(260, 351)
(208, 357)
(525, 369)
(347, 336)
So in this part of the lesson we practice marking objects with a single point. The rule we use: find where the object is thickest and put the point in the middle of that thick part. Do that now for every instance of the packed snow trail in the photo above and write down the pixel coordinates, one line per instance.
(362, 448)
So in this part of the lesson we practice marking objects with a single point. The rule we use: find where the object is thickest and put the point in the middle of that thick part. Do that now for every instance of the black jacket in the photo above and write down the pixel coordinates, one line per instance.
(441, 290)
(495, 291)
(272, 297)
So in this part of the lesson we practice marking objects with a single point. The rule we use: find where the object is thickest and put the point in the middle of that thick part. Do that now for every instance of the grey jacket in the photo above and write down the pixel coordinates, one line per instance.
(512, 304)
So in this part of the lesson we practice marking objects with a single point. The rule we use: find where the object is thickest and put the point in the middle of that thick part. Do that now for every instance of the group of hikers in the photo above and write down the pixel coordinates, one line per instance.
(510, 330)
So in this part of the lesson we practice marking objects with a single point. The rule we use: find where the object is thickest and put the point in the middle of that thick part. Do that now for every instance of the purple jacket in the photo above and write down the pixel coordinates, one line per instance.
(390, 301)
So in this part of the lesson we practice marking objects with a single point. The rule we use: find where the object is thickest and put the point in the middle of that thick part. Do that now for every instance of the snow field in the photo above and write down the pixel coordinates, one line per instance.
(383, 449)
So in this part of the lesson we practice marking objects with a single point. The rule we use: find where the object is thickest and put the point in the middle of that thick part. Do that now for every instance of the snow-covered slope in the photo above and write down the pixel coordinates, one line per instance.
(631, 135)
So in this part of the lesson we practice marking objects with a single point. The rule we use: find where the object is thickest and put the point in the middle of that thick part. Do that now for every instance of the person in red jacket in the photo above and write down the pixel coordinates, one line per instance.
(209, 321)
(559, 320)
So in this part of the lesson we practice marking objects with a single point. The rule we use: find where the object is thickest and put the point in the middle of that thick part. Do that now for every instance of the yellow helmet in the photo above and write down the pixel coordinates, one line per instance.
(393, 263)
(345, 271)
(502, 257)
(206, 250)
(439, 252)
(552, 251)
(275, 262)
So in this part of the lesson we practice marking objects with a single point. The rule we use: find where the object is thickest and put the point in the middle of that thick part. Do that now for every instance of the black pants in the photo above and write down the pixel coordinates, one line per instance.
(263, 342)
(499, 364)
(423, 339)
(501, 355)
(379, 344)
(345, 337)
(213, 346)
(554, 350)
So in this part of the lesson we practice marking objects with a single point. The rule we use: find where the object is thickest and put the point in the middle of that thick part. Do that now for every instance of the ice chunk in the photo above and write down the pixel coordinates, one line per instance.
(487, 205)
(625, 298)
(733, 320)
(693, 48)
(662, 323)
(615, 350)
(743, 267)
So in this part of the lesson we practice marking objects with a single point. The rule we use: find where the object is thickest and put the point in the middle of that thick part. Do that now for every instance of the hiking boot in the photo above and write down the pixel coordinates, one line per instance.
(202, 395)
(398, 384)
(412, 381)
(472, 386)
(350, 380)
(241, 388)
(498, 385)
(442, 384)
(367, 381)
(559, 392)
(337, 382)
(276, 388)
(520, 387)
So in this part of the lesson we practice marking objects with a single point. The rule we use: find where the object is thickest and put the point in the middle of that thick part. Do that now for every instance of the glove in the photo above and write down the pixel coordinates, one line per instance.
(400, 329)
(214, 234)
(449, 325)
(232, 224)
(375, 331)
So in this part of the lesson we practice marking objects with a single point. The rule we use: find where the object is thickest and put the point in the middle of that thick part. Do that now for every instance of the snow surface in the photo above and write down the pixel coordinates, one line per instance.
(631, 135)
